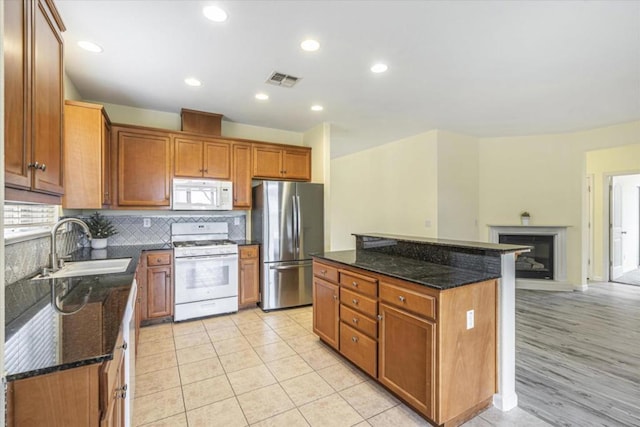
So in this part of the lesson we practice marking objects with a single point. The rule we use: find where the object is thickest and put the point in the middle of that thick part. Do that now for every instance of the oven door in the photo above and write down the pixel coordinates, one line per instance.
(207, 277)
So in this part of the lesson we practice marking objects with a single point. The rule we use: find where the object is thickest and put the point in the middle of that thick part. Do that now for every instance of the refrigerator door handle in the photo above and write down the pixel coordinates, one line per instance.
(296, 224)
(290, 267)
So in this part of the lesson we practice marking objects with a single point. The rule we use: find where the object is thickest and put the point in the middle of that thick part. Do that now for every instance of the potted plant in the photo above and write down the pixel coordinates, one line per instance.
(101, 228)
(524, 218)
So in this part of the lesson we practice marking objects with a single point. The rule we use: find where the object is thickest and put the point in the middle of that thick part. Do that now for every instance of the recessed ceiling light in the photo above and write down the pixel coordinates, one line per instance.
(310, 45)
(317, 108)
(90, 46)
(262, 96)
(191, 81)
(379, 68)
(215, 13)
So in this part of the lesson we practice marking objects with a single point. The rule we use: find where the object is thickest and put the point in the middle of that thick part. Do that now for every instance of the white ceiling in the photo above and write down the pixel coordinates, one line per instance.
(483, 68)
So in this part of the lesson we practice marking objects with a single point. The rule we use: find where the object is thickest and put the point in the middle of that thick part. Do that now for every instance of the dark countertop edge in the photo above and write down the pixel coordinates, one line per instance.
(246, 242)
(484, 246)
(59, 368)
(486, 276)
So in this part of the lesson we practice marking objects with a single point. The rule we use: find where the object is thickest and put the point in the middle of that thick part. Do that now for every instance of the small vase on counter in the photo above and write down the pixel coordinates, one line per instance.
(524, 218)
(98, 243)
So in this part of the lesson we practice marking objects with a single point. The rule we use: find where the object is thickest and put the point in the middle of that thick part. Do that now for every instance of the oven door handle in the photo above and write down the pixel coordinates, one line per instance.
(290, 267)
(204, 257)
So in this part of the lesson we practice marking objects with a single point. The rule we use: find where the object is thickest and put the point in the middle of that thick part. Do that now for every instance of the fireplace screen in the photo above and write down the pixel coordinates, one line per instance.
(537, 264)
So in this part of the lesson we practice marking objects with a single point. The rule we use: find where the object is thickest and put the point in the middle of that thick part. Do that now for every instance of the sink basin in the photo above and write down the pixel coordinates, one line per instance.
(88, 268)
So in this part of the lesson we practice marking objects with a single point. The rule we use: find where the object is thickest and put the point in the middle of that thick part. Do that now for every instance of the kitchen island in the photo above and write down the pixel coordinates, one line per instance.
(425, 318)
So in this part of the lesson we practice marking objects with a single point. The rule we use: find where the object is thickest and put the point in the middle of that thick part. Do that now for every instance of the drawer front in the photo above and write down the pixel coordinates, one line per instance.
(359, 321)
(359, 348)
(248, 252)
(358, 302)
(359, 283)
(325, 271)
(161, 258)
(423, 305)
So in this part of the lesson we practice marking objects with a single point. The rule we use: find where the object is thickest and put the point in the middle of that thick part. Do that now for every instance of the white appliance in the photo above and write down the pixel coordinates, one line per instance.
(205, 270)
(202, 194)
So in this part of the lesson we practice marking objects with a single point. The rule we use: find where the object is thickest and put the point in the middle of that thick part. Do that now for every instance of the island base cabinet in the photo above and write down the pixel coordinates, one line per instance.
(407, 357)
(326, 305)
(359, 349)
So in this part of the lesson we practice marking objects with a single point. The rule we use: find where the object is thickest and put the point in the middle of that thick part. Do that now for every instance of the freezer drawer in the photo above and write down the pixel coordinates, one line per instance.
(286, 284)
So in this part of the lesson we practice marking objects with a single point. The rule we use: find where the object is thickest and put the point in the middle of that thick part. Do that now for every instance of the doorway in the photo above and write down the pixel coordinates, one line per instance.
(624, 229)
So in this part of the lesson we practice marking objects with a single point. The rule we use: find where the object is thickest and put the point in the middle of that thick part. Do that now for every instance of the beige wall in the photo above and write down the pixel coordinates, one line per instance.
(70, 90)
(319, 139)
(389, 189)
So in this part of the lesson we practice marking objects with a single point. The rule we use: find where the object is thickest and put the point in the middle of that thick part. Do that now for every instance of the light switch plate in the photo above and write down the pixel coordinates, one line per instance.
(470, 319)
(146, 222)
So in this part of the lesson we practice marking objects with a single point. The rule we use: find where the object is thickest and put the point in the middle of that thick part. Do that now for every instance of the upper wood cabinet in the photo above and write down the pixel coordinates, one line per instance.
(241, 175)
(198, 158)
(144, 160)
(87, 131)
(33, 52)
(281, 162)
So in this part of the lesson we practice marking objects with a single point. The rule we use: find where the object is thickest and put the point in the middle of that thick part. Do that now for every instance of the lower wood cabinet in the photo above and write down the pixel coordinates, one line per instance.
(156, 285)
(249, 276)
(326, 306)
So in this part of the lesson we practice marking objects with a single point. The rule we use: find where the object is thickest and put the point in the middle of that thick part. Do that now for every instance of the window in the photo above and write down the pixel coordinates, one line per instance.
(22, 220)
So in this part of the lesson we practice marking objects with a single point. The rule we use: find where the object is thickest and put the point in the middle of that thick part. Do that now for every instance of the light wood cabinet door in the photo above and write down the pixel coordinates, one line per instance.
(296, 164)
(114, 399)
(249, 282)
(406, 352)
(144, 168)
(217, 160)
(267, 161)
(241, 176)
(159, 292)
(326, 306)
(188, 158)
(106, 160)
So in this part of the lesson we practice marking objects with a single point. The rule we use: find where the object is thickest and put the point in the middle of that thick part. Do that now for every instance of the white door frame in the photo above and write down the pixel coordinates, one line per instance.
(590, 219)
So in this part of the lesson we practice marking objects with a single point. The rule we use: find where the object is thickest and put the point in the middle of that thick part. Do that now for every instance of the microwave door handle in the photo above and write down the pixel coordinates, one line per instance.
(215, 196)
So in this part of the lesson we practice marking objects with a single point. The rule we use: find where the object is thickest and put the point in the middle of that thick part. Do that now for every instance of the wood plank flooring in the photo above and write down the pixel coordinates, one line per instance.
(578, 355)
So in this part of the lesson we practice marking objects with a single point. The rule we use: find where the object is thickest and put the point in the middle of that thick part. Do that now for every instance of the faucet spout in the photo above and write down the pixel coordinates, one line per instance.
(54, 238)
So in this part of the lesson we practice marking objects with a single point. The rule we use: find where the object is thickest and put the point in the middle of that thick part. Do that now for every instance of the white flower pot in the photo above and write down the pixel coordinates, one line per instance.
(98, 243)
(525, 220)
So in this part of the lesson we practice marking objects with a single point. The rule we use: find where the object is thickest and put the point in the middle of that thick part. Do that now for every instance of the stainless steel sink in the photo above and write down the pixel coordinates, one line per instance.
(89, 268)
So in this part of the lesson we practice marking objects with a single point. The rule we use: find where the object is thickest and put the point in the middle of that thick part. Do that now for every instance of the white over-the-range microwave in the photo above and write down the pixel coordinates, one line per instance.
(202, 195)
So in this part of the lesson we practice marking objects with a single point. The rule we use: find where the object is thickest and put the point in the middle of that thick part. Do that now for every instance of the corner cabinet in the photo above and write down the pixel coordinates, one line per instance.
(241, 176)
(281, 162)
(143, 167)
(156, 286)
(249, 276)
(33, 72)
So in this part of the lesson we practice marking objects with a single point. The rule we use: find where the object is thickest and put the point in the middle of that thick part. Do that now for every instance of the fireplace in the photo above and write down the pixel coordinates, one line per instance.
(539, 262)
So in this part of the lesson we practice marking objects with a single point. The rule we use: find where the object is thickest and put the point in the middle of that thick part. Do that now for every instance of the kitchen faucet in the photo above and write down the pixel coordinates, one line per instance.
(54, 231)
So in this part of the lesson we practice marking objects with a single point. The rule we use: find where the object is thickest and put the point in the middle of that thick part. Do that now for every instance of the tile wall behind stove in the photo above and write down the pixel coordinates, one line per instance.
(131, 230)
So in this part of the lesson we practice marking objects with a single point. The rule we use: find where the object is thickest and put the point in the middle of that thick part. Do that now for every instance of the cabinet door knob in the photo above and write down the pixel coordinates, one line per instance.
(335, 297)
(43, 167)
(123, 346)
(323, 272)
(355, 284)
(355, 320)
(355, 301)
(354, 339)
(402, 299)
(206, 171)
(379, 316)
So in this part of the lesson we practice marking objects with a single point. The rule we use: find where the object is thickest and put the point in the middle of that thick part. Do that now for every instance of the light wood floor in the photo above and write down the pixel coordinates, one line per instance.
(578, 355)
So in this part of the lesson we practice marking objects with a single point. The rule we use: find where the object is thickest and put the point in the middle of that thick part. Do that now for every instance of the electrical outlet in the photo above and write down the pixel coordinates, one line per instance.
(470, 319)
(146, 222)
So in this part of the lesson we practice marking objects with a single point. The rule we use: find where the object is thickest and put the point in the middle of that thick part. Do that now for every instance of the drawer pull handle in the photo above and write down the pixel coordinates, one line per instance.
(158, 260)
(323, 272)
(402, 299)
(355, 320)
(355, 284)
(354, 339)
(355, 301)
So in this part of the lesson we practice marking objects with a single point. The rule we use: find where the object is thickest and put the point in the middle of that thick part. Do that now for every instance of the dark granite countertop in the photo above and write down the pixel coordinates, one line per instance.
(461, 244)
(421, 272)
(246, 242)
(67, 341)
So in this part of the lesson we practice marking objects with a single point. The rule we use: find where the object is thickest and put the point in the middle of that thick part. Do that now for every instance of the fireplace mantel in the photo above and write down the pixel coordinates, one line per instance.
(559, 282)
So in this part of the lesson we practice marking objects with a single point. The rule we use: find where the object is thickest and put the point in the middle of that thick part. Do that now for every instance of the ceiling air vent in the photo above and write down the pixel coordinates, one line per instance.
(282, 79)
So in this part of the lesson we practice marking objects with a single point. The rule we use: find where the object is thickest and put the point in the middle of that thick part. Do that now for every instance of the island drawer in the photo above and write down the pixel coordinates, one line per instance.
(406, 299)
(358, 302)
(359, 283)
(248, 252)
(325, 271)
(359, 348)
(359, 322)
(159, 258)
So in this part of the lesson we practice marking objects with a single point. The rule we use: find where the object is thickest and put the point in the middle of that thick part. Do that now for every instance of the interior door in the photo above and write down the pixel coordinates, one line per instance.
(616, 258)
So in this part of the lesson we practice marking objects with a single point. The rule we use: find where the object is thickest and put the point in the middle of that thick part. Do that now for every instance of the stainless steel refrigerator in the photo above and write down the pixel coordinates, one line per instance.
(287, 220)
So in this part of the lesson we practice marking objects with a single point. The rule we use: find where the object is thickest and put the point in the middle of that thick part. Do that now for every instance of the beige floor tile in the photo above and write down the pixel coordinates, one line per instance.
(305, 343)
(263, 338)
(156, 381)
(226, 413)
(241, 360)
(251, 379)
(306, 388)
(399, 415)
(208, 391)
(149, 348)
(321, 358)
(290, 332)
(331, 411)
(218, 322)
(179, 420)
(244, 317)
(156, 332)
(279, 322)
(189, 327)
(265, 402)
(291, 418)
(193, 354)
(281, 314)
(369, 399)
(191, 340)
(155, 362)
(307, 325)
(289, 367)
(157, 406)
(302, 317)
(274, 351)
(479, 422)
(340, 376)
(253, 327)
(200, 370)
(220, 334)
(232, 345)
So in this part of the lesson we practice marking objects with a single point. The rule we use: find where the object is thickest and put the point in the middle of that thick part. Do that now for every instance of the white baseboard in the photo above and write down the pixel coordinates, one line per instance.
(596, 279)
(544, 285)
